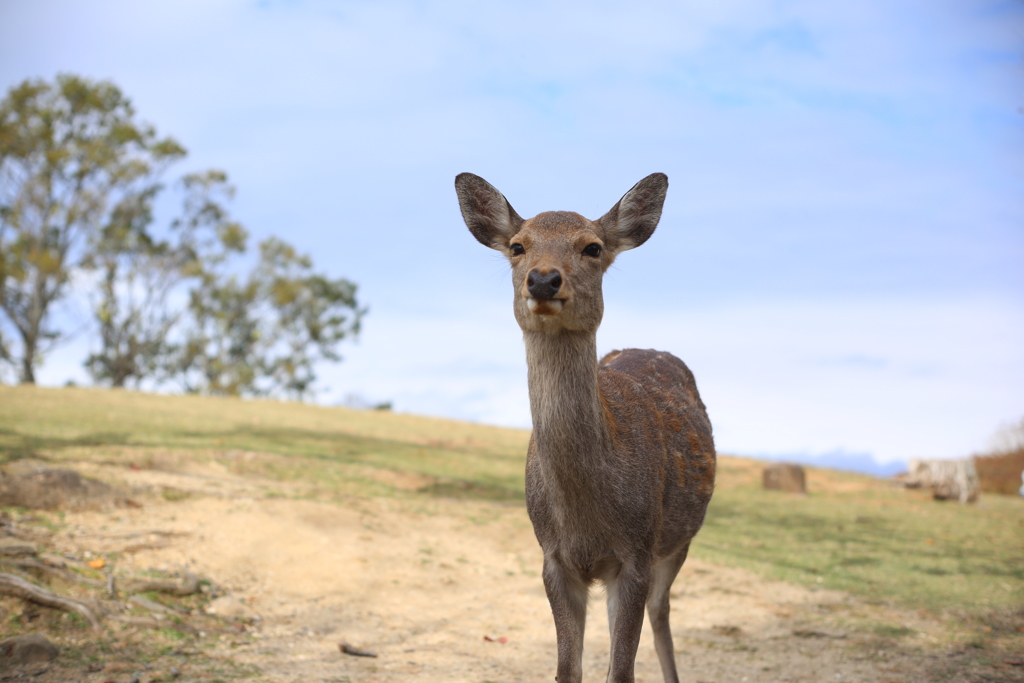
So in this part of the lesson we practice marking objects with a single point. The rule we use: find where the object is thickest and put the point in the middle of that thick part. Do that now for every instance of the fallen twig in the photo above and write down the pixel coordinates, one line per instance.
(155, 623)
(817, 634)
(19, 587)
(355, 651)
(59, 572)
(136, 547)
(152, 605)
(9, 549)
(189, 585)
(135, 534)
(27, 533)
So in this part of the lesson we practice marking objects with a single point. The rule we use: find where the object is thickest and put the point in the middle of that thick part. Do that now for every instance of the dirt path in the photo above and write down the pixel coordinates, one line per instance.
(424, 582)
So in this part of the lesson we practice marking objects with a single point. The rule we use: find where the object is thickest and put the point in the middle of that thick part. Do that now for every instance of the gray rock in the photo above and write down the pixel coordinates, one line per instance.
(28, 649)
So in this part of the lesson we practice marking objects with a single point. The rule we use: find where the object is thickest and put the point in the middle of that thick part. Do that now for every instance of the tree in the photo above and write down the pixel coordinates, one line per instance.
(140, 274)
(68, 152)
(311, 315)
(136, 275)
(263, 334)
(79, 177)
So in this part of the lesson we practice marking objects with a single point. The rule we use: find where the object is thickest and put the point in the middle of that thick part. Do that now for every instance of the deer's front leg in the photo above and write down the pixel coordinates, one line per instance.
(630, 589)
(568, 598)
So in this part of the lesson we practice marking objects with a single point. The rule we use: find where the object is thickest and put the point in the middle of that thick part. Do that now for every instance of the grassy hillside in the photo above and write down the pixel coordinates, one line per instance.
(850, 532)
(346, 451)
(870, 537)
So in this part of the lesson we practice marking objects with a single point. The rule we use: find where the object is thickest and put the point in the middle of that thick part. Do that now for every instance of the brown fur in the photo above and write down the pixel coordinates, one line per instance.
(621, 463)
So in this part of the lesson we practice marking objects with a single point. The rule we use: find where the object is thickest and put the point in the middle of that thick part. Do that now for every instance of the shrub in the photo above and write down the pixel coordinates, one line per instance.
(1000, 472)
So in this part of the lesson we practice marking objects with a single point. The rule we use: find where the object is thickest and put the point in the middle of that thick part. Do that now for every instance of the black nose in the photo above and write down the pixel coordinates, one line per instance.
(543, 285)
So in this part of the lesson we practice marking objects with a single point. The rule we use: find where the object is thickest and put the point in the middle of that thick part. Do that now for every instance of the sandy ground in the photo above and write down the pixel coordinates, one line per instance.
(434, 586)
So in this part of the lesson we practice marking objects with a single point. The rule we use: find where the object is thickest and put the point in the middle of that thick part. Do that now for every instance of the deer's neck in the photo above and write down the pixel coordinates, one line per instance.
(568, 420)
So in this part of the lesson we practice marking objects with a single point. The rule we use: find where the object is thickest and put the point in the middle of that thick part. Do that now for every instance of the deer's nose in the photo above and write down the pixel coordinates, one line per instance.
(543, 285)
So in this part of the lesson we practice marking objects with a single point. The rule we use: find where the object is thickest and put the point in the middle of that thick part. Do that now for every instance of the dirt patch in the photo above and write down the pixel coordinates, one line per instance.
(449, 590)
(34, 485)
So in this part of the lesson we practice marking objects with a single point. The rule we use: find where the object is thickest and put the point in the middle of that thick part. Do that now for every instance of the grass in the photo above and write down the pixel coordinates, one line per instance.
(871, 538)
(851, 532)
(342, 449)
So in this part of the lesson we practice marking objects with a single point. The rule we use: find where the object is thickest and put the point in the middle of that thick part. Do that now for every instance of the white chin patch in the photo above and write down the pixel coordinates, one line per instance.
(544, 306)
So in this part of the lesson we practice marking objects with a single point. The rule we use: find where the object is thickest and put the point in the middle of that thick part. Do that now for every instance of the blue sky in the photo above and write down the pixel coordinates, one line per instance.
(840, 260)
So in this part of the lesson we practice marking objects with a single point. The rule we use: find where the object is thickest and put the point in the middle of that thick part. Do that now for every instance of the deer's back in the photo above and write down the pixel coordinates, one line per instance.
(660, 427)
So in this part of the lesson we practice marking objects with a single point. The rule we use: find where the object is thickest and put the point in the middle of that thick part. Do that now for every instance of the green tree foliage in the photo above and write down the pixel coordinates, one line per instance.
(127, 256)
(310, 315)
(78, 181)
(140, 275)
(68, 151)
(258, 335)
(263, 334)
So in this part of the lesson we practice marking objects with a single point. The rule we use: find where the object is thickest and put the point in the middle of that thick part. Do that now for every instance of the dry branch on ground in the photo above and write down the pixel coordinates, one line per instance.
(19, 587)
(189, 585)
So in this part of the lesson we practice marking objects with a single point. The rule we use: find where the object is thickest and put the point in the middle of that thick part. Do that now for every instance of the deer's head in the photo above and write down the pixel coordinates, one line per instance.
(559, 258)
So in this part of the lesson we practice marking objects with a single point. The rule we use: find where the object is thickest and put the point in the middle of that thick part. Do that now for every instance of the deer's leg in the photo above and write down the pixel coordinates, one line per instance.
(568, 598)
(630, 590)
(663, 574)
(612, 591)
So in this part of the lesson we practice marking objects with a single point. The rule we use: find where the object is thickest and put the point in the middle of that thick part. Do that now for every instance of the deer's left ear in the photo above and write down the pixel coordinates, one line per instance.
(633, 219)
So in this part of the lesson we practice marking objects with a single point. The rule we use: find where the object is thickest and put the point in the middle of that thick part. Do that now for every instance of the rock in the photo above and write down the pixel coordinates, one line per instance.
(948, 479)
(41, 488)
(784, 476)
(28, 649)
(230, 607)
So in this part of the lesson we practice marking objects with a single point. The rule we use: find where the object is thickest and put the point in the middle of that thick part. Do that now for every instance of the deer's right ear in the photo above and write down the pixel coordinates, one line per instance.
(487, 213)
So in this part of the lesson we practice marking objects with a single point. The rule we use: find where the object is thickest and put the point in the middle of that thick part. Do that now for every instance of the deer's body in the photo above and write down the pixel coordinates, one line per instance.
(621, 464)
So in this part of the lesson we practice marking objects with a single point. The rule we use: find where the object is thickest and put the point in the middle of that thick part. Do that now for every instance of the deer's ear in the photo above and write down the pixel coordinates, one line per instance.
(633, 219)
(487, 213)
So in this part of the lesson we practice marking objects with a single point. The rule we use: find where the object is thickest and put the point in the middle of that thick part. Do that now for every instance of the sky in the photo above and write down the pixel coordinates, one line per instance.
(840, 260)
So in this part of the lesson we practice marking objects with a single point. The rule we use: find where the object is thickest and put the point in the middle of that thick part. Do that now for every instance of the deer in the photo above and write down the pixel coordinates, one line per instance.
(620, 466)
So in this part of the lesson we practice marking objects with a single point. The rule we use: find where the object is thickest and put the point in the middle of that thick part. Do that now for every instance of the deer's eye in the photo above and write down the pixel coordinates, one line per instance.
(593, 250)
(517, 249)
